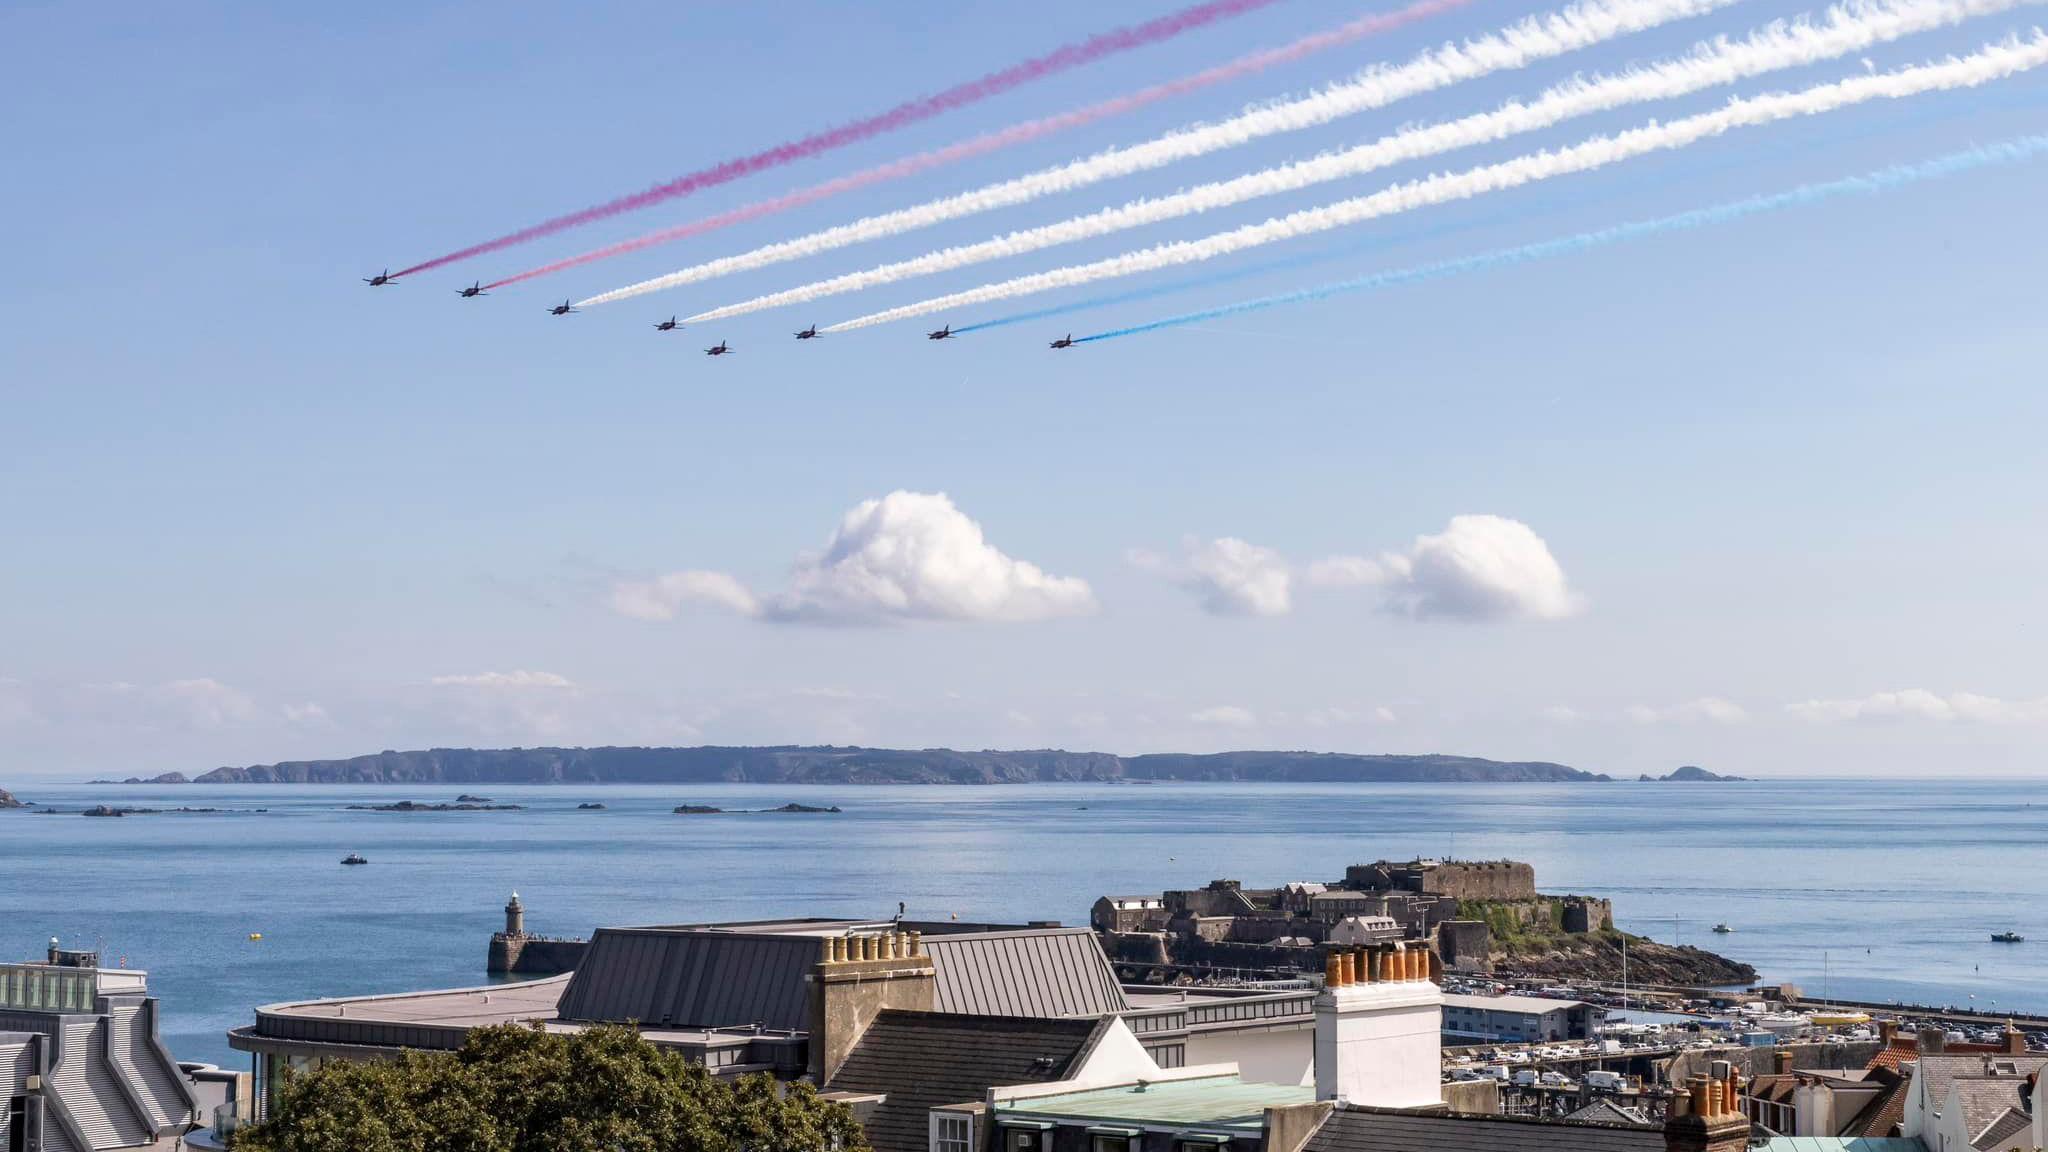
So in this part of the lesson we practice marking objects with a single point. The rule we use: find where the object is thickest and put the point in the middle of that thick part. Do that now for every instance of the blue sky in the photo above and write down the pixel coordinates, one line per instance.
(1787, 471)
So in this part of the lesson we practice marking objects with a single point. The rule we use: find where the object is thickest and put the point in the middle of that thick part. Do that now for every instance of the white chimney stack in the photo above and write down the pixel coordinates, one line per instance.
(1379, 1039)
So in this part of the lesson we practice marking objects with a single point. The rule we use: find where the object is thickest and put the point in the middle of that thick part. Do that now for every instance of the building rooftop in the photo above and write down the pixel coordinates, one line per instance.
(453, 1007)
(2008, 1124)
(1840, 1144)
(1204, 1102)
(1025, 972)
(1996, 1077)
(41, 987)
(1354, 1129)
(1538, 1004)
(919, 1061)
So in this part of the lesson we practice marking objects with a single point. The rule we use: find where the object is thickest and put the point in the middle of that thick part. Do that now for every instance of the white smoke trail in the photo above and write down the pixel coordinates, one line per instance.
(1849, 27)
(1581, 25)
(1993, 62)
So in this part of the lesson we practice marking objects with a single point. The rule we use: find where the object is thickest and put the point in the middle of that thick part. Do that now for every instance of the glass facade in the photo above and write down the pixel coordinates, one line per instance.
(35, 988)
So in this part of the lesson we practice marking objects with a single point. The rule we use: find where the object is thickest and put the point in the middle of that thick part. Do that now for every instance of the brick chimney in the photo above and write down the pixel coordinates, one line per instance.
(855, 979)
(1933, 1041)
(1379, 1022)
(1887, 1030)
(1707, 1117)
(1782, 1059)
(2015, 1040)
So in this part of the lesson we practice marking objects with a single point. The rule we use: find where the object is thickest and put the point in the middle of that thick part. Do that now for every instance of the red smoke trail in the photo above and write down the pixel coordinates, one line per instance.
(1016, 134)
(958, 96)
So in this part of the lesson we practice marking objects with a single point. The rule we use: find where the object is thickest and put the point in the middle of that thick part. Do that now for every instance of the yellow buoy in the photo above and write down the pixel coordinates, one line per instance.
(255, 935)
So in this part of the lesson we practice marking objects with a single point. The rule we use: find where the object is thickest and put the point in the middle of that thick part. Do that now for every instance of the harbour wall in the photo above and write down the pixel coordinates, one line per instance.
(524, 955)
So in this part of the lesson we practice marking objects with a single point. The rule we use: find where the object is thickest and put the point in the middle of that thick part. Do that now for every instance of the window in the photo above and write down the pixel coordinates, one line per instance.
(952, 1133)
(1112, 1144)
(1022, 1140)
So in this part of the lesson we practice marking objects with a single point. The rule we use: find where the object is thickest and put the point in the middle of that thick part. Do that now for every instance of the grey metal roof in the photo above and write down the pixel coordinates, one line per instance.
(922, 1060)
(1351, 1129)
(689, 977)
(1043, 972)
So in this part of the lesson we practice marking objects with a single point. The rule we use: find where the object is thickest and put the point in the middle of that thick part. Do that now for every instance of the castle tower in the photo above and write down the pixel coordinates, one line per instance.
(515, 917)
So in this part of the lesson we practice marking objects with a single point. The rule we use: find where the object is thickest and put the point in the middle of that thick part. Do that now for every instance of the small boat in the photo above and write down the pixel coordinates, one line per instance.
(255, 935)
(353, 858)
(1723, 929)
(2007, 938)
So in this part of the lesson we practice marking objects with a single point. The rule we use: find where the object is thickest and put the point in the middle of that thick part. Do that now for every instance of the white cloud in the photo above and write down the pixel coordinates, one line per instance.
(1703, 709)
(907, 556)
(1561, 714)
(1348, 717)
(1225, 716)
(1920, 704)
(662, 597)
(1231, 577)
(1485, 567)
(1358, 571)
(204, 702)
(518, 679)
(309, 713)
(1478, 568)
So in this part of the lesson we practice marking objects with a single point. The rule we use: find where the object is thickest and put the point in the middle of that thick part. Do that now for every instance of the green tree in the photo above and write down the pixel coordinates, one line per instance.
(514, 1089)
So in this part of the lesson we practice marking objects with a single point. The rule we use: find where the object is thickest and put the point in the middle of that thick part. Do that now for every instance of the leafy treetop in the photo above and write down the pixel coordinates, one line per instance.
(520, 1089)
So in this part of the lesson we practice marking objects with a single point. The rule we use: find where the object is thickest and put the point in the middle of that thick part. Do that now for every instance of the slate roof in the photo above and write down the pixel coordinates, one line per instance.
(1987, 1083)
(1984, 1100)
(1352, 1129)
(2000, 1132)
(692, 977)
(1030, 972)
(1607, 1112)
(921, 1060)
(1884, 1115)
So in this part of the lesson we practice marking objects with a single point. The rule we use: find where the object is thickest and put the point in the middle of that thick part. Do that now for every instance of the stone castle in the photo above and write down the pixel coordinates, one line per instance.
(1449, 904)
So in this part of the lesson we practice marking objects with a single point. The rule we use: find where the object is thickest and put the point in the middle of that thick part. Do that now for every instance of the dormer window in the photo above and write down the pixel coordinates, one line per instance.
(1106, 1138)
(952, 1132)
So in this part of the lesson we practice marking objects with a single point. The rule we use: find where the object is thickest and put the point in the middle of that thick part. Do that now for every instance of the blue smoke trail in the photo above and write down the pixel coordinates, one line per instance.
(1989, 155)
(1914, 117)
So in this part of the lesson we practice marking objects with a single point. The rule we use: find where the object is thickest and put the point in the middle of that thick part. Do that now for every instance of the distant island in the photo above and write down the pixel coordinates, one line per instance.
(415, 806)
(829, 764)
(1690, 774)
(7, 800)
(707, 810)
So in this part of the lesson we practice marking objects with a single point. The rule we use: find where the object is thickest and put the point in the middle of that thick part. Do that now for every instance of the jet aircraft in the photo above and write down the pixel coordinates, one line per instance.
(718, 349)
(476, 289)
(668, 325)
(810, 333)
(1066, 341)
(945, 333)
(562, 309)
(379, 280)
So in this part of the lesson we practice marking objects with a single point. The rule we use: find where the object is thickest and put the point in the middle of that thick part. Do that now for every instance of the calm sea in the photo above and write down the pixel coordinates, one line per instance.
(1891, 889)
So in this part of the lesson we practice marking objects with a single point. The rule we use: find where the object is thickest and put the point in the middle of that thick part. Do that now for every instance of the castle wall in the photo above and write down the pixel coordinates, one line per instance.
(1465, 945)
(1482, 880)
(1457, 879)
(1587, 914)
